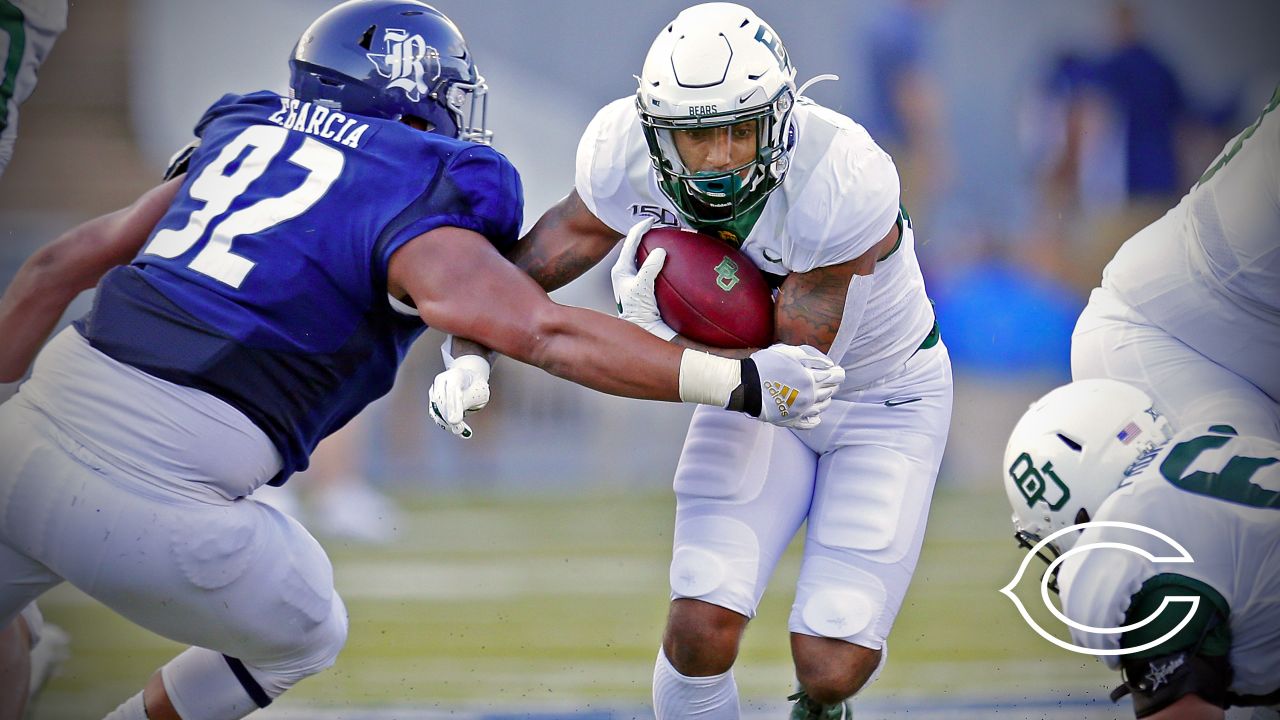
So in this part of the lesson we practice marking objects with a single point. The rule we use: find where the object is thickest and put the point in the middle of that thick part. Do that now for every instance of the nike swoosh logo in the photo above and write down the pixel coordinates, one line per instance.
(896, 403)
(766, 255)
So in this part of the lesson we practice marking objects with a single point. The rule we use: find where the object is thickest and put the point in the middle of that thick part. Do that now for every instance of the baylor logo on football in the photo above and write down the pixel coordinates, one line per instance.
(727, 274)
(408, 62)
(1031, 482)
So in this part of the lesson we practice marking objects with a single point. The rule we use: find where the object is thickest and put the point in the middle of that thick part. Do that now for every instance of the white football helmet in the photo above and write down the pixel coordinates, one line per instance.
(716, 65)
(1071, 450)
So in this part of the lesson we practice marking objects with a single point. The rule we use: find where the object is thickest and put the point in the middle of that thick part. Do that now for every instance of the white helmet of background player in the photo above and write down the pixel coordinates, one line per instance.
(716, 65)
(1071, 450)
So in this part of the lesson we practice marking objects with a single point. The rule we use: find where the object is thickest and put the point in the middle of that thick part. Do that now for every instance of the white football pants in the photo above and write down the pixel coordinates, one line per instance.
(863, 479)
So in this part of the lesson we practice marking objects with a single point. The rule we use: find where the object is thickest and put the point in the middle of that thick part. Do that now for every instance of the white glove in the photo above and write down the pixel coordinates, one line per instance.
(462, 388)
(796, 384)
(633, 289)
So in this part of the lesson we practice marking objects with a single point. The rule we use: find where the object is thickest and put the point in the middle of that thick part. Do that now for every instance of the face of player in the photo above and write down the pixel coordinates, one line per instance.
(718, 149)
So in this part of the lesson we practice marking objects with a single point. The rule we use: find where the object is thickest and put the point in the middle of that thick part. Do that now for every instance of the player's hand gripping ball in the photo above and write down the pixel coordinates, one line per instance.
(709, 291)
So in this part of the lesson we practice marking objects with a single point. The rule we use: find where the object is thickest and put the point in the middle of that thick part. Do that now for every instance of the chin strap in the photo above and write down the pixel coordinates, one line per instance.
(815, 80)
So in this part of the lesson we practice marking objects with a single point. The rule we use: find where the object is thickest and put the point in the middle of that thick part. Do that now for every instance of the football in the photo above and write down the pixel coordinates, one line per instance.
(709, 291)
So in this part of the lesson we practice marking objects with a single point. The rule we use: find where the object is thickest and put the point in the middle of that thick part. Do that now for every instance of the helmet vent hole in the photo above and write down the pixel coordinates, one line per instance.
(411, 13)
(1070, 443)
(1082, 516)
(744, 22)
(366, 40)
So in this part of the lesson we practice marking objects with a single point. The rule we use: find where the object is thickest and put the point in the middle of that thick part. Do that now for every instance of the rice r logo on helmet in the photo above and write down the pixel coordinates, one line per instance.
(408, 62)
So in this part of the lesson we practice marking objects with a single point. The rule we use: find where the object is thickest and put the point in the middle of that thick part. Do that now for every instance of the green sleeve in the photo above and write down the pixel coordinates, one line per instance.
(1208, 628)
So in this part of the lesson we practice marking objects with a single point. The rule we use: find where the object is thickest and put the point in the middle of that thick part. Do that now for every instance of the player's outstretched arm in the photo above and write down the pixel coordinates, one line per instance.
(51, 278)
(462, 286)
(567, 241)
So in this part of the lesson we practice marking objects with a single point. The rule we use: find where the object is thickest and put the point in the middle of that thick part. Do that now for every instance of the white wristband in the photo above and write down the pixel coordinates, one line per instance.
(708, 379)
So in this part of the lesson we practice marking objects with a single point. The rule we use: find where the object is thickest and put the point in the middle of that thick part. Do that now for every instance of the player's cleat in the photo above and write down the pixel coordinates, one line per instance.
(806, 709)
(47, 658)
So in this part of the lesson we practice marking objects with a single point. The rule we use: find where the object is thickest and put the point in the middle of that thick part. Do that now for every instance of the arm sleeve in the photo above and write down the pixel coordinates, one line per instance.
(1206, 632)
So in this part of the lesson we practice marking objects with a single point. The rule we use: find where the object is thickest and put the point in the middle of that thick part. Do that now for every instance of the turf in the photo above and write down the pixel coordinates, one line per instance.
(523, 602)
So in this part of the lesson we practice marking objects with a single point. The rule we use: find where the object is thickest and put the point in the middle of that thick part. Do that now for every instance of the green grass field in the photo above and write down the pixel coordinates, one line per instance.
(559, 601)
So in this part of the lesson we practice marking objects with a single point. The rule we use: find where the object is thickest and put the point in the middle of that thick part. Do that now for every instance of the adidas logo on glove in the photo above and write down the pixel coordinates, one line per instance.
(783, 396)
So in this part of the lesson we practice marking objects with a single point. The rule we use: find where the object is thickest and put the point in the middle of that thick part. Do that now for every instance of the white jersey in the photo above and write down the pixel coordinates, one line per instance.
(1208, 272)
(28, 42)
(838, 199)
(1217, 495)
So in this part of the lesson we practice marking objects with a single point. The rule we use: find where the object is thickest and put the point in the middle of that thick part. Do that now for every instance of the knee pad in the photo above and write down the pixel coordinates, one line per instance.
(839, 601)
(717, 563)
(207, 685)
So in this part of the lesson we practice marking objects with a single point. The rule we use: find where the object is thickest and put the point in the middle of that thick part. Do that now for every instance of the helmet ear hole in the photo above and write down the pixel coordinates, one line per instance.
(1082, 516)
(366, 40)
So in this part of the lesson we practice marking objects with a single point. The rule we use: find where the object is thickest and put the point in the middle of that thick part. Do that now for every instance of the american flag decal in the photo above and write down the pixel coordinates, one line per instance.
(1129, 432)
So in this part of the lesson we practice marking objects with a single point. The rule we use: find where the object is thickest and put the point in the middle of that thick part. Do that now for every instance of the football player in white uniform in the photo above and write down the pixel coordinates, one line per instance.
(128, 458)
(28, 29)
(1189, 308)
(720, 139)
(1097, 450)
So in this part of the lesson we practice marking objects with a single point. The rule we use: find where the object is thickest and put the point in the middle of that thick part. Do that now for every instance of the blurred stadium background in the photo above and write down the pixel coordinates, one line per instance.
(525, 572)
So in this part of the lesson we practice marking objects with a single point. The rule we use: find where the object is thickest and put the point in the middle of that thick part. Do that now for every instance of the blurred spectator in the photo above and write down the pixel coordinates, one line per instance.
(1111, 126)
(904, 114)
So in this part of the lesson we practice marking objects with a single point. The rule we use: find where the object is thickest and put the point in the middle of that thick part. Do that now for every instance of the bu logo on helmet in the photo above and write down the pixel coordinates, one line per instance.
(1031, 482)
(408, 62)
(772, 42)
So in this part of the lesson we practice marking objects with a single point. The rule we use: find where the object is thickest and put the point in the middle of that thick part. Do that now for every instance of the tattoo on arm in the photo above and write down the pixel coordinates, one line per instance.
(810, 305)
(554, 252)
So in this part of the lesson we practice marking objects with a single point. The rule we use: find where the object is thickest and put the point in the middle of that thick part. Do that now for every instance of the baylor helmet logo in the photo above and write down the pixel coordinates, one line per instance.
(727, 274)
(1031, 482)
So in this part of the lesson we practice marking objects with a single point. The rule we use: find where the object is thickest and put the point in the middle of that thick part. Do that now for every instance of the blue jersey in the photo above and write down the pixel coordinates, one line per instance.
(265, 284)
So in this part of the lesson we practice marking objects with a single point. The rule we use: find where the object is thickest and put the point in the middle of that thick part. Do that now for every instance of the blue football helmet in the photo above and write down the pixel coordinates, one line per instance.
(392, 59)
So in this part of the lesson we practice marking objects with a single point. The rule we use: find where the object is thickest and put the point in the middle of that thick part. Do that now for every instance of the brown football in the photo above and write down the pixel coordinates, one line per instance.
(709, 291)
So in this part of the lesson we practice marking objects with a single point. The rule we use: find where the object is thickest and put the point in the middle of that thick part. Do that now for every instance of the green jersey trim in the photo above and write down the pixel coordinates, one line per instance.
(1208, 632)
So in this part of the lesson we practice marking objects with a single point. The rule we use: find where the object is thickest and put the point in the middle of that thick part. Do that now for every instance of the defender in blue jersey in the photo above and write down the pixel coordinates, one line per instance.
(249, 307)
